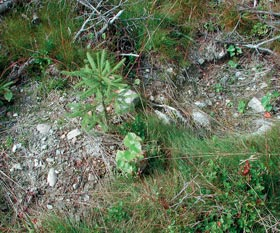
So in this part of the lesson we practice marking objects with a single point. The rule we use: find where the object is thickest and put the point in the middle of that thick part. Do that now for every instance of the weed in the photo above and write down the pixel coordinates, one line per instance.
(234, 50)
(5, 92)
(269, 99)
(260, 30)
(218, 88)
(233, 64)
(241, 106)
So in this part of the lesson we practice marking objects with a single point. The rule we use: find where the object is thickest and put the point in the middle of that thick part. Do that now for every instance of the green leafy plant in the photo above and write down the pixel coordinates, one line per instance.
(103, 92)
(5, 92)
(233, 64)
(241, 106)
(260, 29)
(128, 161)
(117, 213)
(218, 88)
(269, 99)
(234, 50)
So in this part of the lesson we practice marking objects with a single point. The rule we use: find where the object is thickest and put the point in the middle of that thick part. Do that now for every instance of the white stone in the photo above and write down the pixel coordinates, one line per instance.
(200, 118)
(86, 197)
(16, 166)
(256, 105)
(92, 177)
(37, 163)
(200, 104)
(50, 207)
(44, 147)
(263, 85)
(50, 160)
(169, 70)
(73, 134)
(43, 128)
(128, 98)
(52, 177)
(16, 147)
(163, 117)
(75, 186)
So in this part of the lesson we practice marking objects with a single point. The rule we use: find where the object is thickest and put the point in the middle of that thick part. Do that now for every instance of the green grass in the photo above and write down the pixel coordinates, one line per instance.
(51, 38)
(195, 181)
(202, 187)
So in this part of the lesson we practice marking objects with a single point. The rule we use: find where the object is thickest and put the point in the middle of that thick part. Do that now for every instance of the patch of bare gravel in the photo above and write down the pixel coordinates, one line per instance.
(51, 164)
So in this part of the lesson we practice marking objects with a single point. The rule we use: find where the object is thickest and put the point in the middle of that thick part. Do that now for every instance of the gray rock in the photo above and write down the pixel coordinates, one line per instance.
(256, 105)
(73, 134)
(43, 128)
(262, 126)
(200, 119)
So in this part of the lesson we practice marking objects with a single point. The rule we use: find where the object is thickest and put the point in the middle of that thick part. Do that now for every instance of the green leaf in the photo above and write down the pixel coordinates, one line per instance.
(133, 142)
(8, 95)
(91, 61)
(118, 66)
(241, 106)
(265, 100)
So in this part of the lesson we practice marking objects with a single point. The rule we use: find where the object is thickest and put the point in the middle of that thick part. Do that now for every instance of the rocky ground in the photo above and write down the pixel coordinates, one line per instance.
(48, 162)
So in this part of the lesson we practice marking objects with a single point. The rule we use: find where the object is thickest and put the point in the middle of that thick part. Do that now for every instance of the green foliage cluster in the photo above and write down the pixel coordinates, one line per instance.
(269, 99)
(160, 25)
(51, 38)
(5, 92)
(212, 186)
(128, 161)
(103, 91)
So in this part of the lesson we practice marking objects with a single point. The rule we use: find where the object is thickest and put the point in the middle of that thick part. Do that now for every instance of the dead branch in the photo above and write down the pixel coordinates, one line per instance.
(258, 46)
(17, 71)
(254, 11)
(98, 19)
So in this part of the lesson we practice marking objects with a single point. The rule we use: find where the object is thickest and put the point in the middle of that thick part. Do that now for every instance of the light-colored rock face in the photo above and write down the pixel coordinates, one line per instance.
(256, 105)
(200, 119)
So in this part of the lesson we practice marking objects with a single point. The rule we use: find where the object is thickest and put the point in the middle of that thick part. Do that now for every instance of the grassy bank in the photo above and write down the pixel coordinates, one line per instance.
(202, 185)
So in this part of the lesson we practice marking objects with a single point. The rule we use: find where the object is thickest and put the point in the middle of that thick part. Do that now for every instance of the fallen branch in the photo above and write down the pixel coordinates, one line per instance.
(258, 46)
(254, 11)
(17, 71)
(104, 28)
(98, 19)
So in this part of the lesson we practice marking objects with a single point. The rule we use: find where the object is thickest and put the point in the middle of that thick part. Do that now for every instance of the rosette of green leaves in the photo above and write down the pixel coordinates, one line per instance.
(128, 160)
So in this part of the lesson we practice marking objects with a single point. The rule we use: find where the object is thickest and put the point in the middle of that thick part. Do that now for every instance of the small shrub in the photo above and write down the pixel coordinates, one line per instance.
(103, 92)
